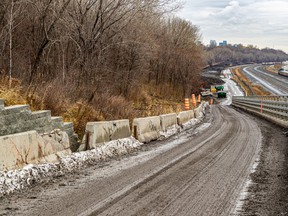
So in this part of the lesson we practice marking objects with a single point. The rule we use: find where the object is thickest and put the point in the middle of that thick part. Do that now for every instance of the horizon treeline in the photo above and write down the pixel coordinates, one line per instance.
(239, 54)
(94, 47)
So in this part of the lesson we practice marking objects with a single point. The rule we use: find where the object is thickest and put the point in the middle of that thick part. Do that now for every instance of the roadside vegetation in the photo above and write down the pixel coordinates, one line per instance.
(103, 60)
(238, 54)
(96, 60)
(273, 68)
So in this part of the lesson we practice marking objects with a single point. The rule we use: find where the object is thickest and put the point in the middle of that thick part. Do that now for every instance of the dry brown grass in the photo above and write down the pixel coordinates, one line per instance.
(156, 99)
(11, 94)
(273, 68)
(62, 100)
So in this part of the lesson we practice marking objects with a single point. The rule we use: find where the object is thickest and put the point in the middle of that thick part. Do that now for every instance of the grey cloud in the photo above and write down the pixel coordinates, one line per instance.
(240, 19)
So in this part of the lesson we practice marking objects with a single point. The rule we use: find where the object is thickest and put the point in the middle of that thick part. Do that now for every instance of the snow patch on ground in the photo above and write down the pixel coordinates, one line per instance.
(170, 132)
(14, 180)
(232, 90)
(245, 190)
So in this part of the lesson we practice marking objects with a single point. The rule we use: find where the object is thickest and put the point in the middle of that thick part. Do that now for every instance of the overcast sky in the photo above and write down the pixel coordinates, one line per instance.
(263, 23)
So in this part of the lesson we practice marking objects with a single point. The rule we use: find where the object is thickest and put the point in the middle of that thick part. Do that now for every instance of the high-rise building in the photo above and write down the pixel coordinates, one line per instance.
(224, 43)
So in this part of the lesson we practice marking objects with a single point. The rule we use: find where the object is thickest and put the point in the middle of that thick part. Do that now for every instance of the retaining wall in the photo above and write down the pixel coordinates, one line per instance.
(19, 149)
(97, 133)
(19, 118)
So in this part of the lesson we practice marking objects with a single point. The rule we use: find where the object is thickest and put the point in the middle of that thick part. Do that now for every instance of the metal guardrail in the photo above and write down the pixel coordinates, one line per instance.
(272, 108)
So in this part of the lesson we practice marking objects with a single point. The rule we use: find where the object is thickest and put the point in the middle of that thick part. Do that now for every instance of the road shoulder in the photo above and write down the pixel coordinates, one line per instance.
(268, 195)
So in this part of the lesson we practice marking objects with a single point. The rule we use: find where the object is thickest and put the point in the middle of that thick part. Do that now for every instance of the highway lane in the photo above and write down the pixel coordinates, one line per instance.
(274, 83)
(194, 173)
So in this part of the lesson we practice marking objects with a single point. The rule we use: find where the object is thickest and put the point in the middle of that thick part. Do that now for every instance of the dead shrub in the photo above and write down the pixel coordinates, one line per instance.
(11, 94)
(113, 107)
(80, 113)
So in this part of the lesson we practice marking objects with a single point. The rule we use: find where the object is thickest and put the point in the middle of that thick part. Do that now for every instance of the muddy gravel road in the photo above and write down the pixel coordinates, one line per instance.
(198, 172)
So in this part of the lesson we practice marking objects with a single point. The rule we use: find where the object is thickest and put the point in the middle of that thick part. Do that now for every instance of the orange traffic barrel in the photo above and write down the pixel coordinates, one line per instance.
(199, 99)
(211, 101)
(186, 104)
(194, 103)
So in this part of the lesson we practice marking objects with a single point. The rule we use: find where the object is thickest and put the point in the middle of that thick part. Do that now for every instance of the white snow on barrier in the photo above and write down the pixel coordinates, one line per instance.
(14, 180)
(169, 132)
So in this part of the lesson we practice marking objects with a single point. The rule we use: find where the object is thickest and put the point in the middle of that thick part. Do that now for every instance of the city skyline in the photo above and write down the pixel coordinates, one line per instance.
(261, 23)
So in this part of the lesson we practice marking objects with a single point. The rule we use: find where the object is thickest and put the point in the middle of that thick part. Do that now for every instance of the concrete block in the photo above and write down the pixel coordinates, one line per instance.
(146, 129)
(68, 127)
(41, 114)
(167, 121)
(15, 109)
(185, 116)
(97, 133)
(59, 141)
(198, 110)
(1, 104)
(20, 149)
(56, 122)
(21, 122)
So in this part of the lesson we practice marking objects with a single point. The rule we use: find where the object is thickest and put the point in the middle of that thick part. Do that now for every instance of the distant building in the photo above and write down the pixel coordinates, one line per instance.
(224, 43)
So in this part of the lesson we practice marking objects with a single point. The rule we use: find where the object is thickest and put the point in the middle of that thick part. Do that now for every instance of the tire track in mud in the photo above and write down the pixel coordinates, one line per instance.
(201, 175)
(170, 192)
(111, 200)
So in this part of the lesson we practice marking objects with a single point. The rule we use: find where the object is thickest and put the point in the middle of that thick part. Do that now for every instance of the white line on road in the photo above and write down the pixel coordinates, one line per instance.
(264, 83)
(266, 74)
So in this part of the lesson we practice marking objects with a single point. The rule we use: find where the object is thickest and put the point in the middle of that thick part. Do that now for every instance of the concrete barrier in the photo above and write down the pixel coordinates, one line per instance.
(97, 133)
(20, 149)
(198, 110)
(1, 104)
(185, 116)
(146, 129)
(167, 121)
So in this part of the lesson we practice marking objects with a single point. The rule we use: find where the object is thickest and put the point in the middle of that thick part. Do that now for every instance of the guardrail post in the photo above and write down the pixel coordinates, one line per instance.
(261, 106)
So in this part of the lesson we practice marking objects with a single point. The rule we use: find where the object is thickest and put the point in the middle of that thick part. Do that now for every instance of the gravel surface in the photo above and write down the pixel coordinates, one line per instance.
(199, 172)
(268, 195)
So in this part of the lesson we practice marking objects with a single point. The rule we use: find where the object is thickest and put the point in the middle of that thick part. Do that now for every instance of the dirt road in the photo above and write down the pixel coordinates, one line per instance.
(199, 172)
